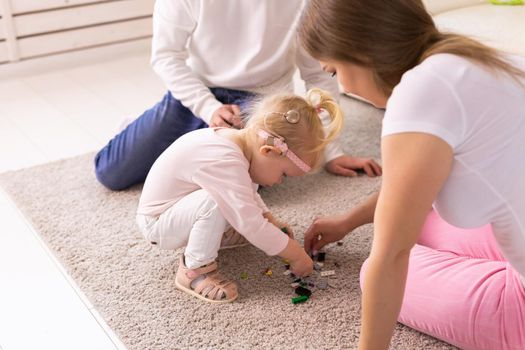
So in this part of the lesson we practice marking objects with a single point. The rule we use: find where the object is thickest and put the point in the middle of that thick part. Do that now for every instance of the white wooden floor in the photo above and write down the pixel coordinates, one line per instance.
(47, 115)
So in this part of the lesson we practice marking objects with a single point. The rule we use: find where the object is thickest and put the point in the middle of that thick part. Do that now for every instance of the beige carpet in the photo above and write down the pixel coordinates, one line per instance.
(131, 283)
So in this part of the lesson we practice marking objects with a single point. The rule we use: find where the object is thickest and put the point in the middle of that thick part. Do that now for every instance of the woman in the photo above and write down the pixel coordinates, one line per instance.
(453, 139)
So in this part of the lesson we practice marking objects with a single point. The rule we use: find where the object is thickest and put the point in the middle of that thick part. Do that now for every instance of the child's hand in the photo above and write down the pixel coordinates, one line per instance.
(303, 265)
(300, 263)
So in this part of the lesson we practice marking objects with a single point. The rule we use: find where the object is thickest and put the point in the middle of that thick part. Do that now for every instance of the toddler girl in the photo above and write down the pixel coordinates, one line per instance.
(201, 193)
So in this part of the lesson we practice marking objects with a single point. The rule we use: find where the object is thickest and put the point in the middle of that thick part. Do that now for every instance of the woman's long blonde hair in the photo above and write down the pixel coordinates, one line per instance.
(309, 137)
(390, 37)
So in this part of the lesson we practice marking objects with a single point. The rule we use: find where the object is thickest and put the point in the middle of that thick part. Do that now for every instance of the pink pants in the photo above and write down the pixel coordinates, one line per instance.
(461, 290)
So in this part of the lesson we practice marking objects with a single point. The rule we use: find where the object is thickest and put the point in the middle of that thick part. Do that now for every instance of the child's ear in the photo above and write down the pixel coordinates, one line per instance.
(266, 150)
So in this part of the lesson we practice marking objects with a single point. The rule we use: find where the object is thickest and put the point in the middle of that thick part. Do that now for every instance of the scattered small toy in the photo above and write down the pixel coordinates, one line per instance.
(299, 299)
(327, 273)
(301, 285)
(322, 284)
(307, 285)
(303, 291)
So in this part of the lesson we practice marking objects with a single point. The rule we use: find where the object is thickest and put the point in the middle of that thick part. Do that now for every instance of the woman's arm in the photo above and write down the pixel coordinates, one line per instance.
(415, 166)
(333, 228)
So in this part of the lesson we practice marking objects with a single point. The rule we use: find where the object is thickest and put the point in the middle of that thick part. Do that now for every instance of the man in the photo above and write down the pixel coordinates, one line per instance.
(215, 57)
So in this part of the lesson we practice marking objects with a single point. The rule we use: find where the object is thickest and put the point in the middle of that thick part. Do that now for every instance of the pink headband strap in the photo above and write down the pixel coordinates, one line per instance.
(283, 147)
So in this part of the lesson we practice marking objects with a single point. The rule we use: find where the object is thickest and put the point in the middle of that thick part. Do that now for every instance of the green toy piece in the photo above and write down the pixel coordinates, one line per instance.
(299, 299)
(506, 2)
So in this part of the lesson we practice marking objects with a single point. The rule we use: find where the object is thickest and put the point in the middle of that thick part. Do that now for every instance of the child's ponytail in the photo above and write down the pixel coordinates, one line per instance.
(329, 112)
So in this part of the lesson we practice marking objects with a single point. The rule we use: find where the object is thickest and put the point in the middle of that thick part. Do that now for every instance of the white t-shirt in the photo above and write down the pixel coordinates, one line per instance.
(481, 115)
(204, 159)
(236, 44)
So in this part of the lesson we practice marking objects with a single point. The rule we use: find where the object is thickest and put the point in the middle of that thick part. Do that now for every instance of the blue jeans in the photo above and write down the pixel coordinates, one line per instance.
(128, 157)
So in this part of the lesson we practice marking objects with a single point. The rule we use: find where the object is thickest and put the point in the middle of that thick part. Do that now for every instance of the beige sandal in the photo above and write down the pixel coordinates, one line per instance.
(232, 239)
(213, 287)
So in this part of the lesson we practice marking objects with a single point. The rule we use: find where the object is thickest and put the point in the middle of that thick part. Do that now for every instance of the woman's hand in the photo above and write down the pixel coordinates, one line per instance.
(333, 228)
(325, 230)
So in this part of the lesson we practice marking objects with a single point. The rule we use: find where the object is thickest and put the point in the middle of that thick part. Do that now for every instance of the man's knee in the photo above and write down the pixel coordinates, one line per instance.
(106, 177)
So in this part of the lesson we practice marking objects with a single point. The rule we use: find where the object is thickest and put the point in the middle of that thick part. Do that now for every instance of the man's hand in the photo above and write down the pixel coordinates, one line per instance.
(227, 116)
(348, 166)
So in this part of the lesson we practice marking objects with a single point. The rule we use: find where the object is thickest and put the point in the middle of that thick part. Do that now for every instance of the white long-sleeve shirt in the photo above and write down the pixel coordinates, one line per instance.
(204, 159)
(235, 44)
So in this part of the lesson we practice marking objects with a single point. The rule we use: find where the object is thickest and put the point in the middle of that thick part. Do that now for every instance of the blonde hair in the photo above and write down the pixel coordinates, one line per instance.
(389, 37)
(308, 137)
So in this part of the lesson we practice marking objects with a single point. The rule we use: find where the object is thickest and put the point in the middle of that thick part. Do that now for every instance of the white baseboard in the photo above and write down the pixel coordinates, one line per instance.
(74, 58)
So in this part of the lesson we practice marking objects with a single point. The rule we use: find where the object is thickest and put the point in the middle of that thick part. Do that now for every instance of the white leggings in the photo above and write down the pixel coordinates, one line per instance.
(195, 222)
